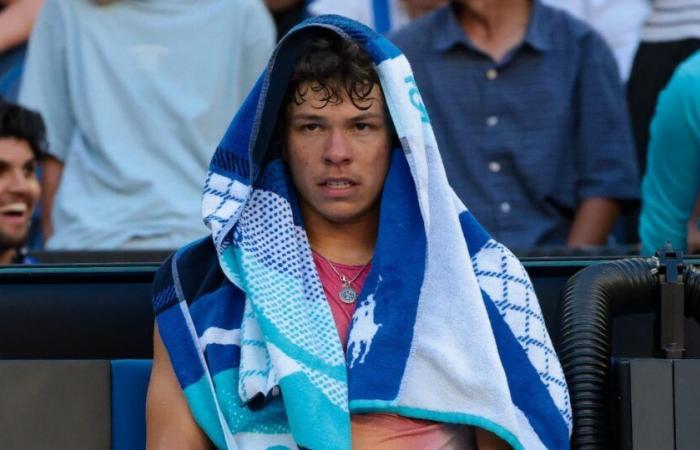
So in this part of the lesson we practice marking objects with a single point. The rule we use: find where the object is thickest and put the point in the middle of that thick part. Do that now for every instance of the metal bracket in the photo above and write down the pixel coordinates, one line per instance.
(672, 303)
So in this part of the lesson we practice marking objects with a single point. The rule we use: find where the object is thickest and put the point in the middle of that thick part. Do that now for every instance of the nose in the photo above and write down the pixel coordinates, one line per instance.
(338, 150)
(18, 181)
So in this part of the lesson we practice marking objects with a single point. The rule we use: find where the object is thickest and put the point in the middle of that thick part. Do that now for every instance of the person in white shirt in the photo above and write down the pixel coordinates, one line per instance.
(135, 95)
(620, 23)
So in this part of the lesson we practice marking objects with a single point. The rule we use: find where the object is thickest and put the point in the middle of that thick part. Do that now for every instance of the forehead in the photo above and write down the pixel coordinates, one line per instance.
(316, 100)
(15, 151)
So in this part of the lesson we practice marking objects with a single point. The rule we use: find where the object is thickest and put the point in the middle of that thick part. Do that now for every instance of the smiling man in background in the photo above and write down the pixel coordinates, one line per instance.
(22, 142)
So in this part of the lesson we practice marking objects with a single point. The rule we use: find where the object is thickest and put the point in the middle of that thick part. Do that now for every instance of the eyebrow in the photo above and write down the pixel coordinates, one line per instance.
(361, 116)
(307, 116)
(368, 116)
(5, 164)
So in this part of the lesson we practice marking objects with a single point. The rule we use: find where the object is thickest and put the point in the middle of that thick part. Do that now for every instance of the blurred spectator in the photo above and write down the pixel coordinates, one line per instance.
(135, 96)
(16, 21)
(672, 180)
(529, 114)
(670, 35)
(22, 142)
(287, 13)
(381, 15)
(618, 21)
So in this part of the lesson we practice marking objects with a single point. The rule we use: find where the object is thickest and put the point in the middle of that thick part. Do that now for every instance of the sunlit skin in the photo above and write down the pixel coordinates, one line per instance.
(19, 192)
(338, 156)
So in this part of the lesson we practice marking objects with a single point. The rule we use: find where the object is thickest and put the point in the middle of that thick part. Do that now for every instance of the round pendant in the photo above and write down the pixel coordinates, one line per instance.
(348, 294)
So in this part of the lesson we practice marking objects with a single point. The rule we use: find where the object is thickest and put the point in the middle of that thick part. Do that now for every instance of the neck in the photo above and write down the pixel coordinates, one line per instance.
(7, 255)
(494, 26)
(346, 243)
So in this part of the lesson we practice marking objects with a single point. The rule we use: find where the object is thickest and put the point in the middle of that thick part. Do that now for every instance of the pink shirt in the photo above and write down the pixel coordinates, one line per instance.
(342, 312)
(384, 431)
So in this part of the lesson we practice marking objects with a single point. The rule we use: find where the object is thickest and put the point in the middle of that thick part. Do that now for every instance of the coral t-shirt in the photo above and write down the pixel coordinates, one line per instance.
(384, 431)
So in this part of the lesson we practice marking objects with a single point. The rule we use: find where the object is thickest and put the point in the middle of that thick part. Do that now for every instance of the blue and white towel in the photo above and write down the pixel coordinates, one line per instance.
(447, 328)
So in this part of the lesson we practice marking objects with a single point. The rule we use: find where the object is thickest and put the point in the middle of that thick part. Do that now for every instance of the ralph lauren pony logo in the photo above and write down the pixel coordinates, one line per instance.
(415, 98)
(363, 328)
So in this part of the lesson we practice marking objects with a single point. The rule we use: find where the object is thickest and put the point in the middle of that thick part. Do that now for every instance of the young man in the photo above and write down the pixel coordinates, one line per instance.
(22, 142)
(336, 305)
(530, 118)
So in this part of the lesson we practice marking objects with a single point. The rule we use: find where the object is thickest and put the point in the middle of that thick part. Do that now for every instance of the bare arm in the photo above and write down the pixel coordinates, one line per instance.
(169, 423)
(693, 237)
(488, 441)
(52, 169)
(593, 222)
(16, 21)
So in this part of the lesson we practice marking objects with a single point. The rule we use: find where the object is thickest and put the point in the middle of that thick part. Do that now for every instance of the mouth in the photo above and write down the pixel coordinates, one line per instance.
(341, 183)
(15, 211)
(338, 187)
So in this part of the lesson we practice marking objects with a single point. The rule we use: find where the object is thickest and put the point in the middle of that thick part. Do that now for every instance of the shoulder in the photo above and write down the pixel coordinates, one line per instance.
(238, 14)
(251, 8)
(572, 34)
(56, 11)
(688, 72)
(257, 6)
(416, 34)
(254, 19)
(679, 96)
(560, 21)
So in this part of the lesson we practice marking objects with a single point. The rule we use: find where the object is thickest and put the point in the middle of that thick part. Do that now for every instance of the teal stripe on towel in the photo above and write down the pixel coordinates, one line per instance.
(272, 419)
(305, 420)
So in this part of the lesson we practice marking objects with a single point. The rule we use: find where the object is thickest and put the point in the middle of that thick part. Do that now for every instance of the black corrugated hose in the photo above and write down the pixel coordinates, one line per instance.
(592, 298)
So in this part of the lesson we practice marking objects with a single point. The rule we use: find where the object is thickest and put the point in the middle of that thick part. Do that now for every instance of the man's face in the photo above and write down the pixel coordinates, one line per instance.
(19, 191)
(338, 155)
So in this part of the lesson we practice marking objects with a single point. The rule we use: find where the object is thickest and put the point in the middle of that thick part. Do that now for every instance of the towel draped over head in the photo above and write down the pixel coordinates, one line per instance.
(447, 327)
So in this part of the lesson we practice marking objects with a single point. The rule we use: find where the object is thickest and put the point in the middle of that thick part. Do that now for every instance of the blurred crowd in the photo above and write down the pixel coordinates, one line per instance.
(566, 126)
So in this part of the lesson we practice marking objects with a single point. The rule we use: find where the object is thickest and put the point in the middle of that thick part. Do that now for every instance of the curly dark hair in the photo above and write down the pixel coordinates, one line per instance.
(22, 123)
(336, 68)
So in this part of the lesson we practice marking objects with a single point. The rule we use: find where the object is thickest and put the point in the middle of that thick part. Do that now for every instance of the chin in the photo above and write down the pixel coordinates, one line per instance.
(13, 240)
(344, 217)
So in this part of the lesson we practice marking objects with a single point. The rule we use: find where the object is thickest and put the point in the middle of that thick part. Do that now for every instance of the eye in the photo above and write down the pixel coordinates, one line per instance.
(310, 127)
(362, 126)
(29, 170)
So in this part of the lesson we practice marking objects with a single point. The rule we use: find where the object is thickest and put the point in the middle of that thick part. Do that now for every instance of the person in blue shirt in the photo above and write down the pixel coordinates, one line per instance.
(529, 115)
(672, 179)
(22, 143)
